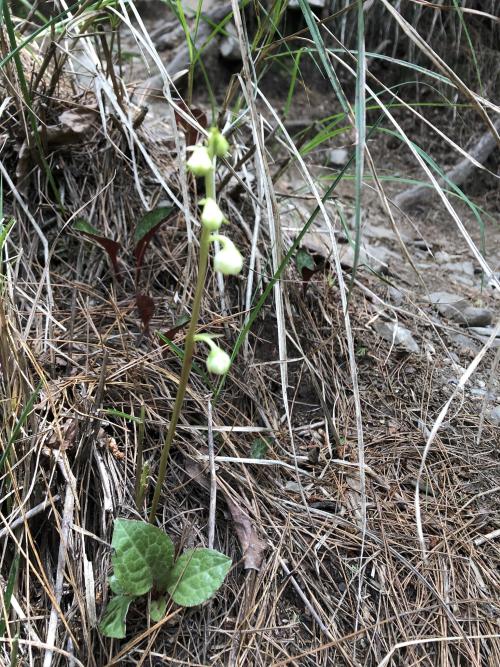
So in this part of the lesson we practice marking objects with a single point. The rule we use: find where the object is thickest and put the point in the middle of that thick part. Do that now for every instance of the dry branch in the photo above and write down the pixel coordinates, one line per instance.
(480, 152)
(182, 60)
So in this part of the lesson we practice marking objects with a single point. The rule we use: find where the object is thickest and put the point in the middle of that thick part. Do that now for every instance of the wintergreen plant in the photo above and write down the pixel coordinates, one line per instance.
(227, 260)
(143, 562)
(143, 558)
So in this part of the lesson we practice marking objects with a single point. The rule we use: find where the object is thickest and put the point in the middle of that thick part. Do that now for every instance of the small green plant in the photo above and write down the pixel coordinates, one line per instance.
(145, 230)
(143, 563)
(143, 558)
(259, 449)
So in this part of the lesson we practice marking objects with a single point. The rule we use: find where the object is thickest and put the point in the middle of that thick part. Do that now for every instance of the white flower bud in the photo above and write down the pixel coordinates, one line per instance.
(212, 217)
(200, 163)
(218, 361)
(217, 143)
(228, 260)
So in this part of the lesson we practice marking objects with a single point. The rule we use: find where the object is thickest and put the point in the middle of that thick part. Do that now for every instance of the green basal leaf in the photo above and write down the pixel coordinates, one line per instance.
(151, 220)
(113, 622)
(143, 556)
(81, 225)
(9, 589)
(158, 608)
(303, 260)
(114, 584)
(197, 575)
(259, 448)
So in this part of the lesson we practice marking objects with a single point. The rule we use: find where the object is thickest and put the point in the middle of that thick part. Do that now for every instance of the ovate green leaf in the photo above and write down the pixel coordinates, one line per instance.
(81, 225)
(158, 608)
(115, 585)
(259, 449)
(303, 260)
(113, 622)
(197, 575)
(150, 221)
(143, 556)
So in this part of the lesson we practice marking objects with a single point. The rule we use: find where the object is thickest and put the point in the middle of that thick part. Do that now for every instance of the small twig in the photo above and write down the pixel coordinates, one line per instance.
(486, 538)
(433, 432)
(489, 390)
(25, 620)
(213, 479)
(282, 464)
(478, 155)
(304, 599)
(428, 640)
(66, 523)
(38, 644)
(48, 502)
(261, 462)
(107, 501)
(138, 463)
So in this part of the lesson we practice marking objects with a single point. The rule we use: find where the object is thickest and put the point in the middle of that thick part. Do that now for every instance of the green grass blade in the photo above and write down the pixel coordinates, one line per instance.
(29, 102)
(14, 651)
(9, 589)
(360, 120)
(470, 45)
(111, 412)
(325, 60)
(20, 423)
(293, 82)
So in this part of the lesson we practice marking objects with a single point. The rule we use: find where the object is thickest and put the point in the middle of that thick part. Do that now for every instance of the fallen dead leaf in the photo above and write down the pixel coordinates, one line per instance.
(251, 544)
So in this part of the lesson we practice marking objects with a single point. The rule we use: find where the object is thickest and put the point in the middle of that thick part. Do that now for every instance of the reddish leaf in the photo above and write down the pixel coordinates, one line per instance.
(146, 308)
(180, 324)
(110, 246)
(192, 134)
(146, 228)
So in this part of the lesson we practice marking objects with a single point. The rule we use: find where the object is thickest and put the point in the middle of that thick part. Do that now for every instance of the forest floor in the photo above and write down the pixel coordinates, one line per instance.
(329, 568)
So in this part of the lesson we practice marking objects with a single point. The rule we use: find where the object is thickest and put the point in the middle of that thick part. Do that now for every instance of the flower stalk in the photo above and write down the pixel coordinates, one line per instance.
(186, 366)
(201, 163)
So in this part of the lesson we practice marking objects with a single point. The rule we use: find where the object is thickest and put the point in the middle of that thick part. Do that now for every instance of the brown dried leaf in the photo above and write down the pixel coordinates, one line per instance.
(78, 120)
(68, 432)
(192, 134)
(251, 545)
(74, 124)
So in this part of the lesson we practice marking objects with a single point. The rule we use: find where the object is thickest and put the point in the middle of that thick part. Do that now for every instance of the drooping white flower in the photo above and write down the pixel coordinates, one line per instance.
(218, 361)
(228, 260)
(211, 217)
(200, 163)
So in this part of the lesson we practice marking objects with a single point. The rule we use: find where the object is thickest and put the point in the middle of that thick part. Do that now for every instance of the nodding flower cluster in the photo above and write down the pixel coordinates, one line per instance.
(227, 260)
